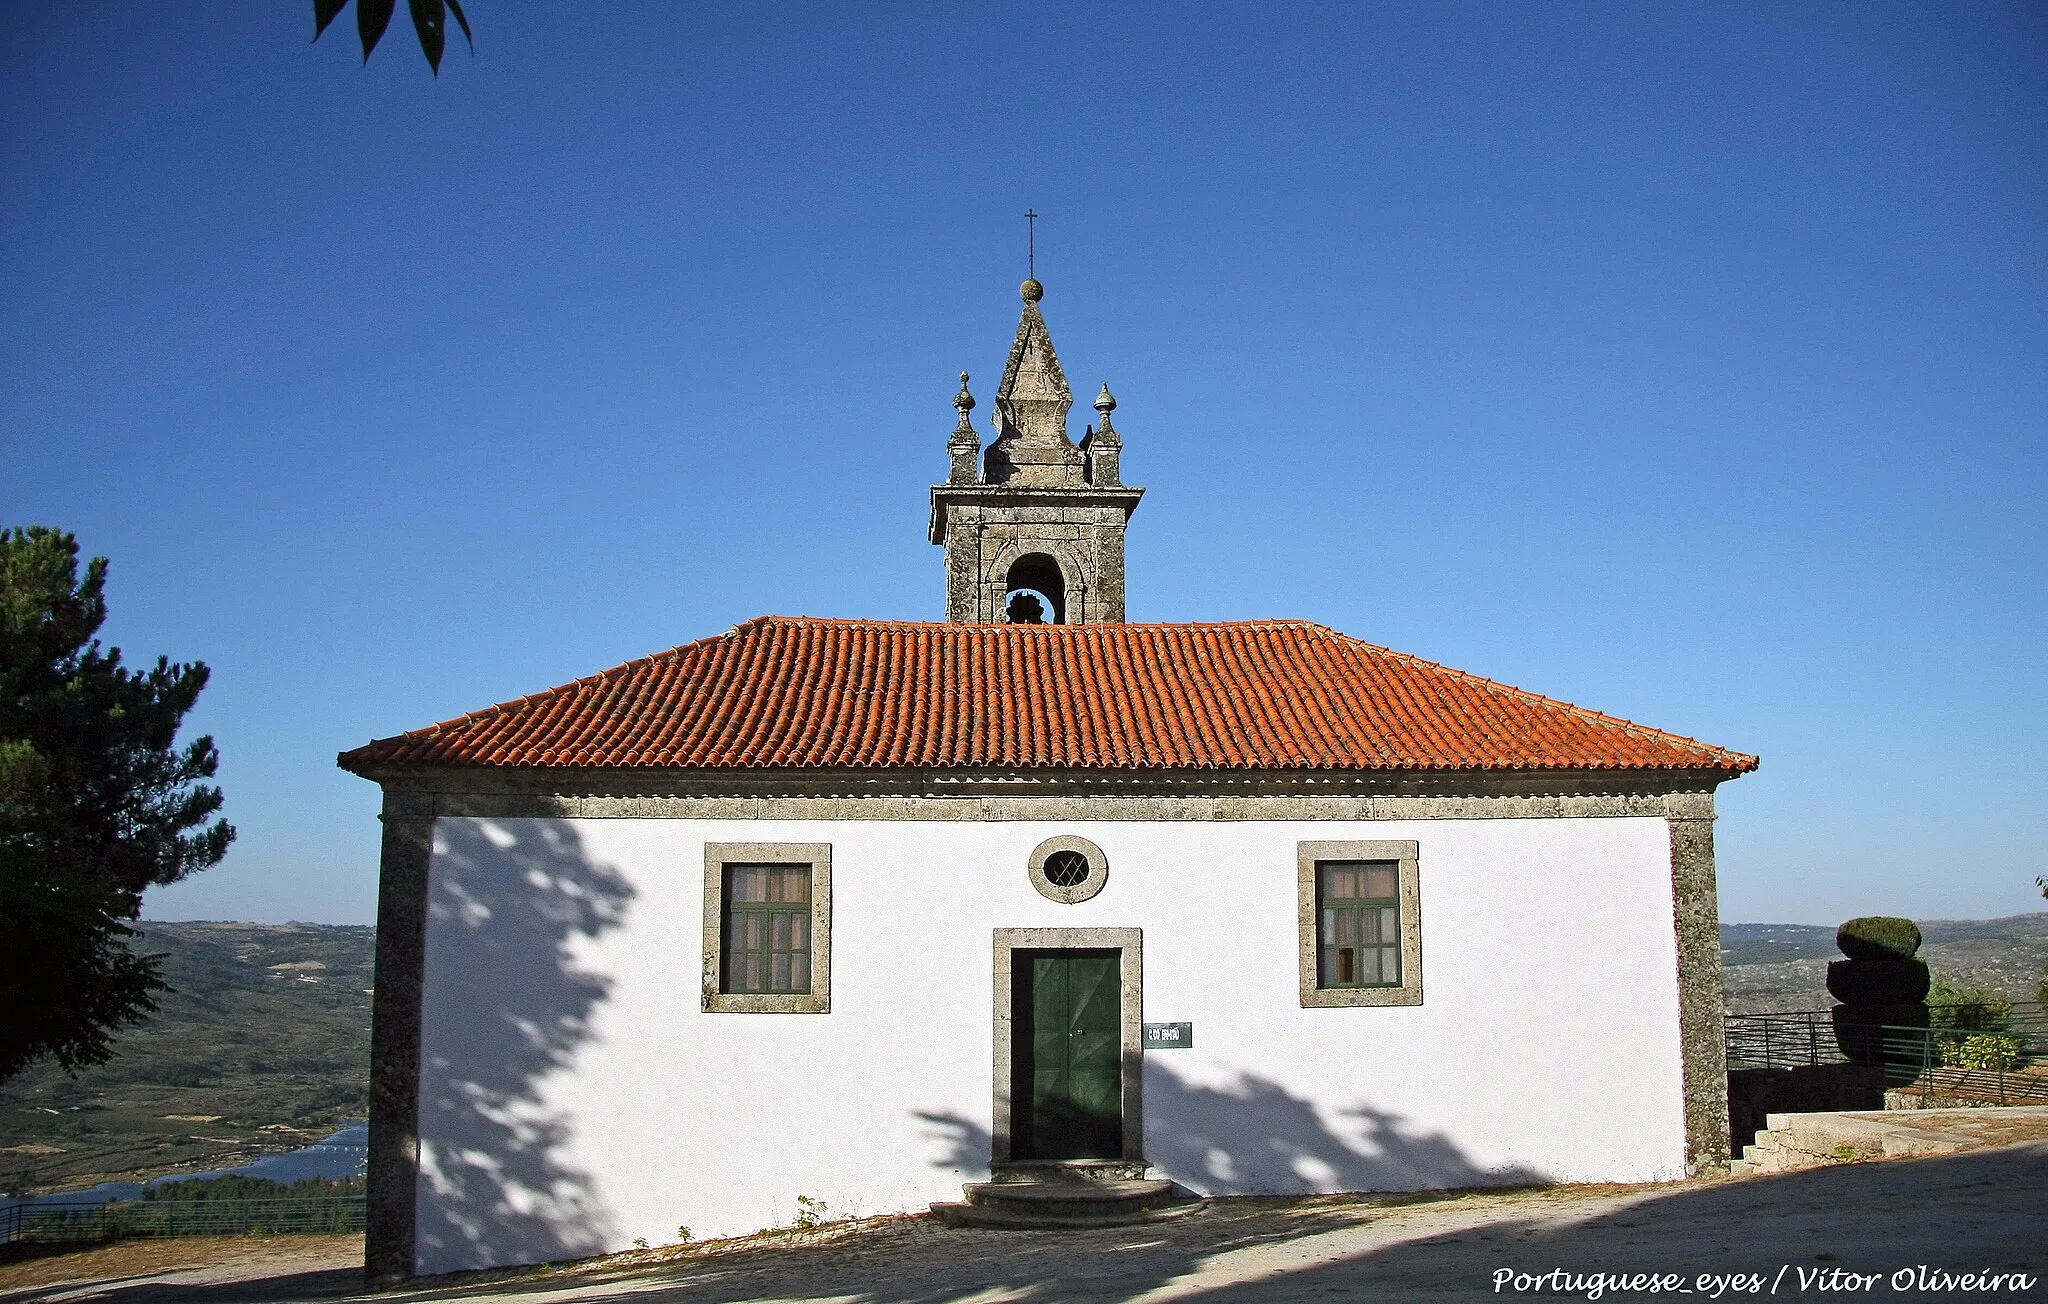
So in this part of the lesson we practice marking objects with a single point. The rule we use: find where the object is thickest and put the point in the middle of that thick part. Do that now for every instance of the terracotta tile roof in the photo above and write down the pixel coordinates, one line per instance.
(783, 692)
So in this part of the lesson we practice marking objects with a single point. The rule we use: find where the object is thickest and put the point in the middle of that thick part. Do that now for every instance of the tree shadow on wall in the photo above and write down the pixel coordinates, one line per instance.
(1252, 1136)
(507, 1007)
(968, 1144)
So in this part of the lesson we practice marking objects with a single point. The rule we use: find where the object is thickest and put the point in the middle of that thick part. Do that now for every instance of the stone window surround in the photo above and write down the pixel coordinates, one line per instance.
(818, 855)
(1307, 856)
(1098, 869)
(1130, 943)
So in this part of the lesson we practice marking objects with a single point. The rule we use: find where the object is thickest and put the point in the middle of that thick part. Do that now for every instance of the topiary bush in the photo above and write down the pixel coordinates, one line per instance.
(1884, 1036)
(1881, 985)
(1879, 937)
(1879, 982)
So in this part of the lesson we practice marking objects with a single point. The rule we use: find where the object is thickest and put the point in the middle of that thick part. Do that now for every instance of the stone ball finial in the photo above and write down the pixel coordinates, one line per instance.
(1031, 290)
(963, 400)
(1105, 402)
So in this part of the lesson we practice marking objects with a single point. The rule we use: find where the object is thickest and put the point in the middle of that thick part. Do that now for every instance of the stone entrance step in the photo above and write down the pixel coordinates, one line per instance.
(1082, 1193)
(1791, 1142)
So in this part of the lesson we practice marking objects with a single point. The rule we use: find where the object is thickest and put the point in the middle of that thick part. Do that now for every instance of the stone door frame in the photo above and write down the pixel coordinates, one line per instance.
(1129, 943)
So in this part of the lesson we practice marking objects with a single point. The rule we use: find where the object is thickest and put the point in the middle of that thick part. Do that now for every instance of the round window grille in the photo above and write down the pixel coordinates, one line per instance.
(1066, 869)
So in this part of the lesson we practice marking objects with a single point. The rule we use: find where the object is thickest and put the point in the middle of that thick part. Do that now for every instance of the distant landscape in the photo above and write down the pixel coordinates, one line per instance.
(265, 1044)
(1773, 967)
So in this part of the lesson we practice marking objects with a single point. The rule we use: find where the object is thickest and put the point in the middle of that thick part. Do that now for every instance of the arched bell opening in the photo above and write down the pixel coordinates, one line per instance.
(1035, 591)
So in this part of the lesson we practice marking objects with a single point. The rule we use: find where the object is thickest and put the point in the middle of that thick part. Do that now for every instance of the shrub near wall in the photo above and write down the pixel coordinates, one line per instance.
(1971, 1022)
(1879, 983)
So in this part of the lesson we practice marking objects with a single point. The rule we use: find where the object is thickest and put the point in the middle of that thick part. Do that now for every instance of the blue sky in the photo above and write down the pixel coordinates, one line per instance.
(1689, 362)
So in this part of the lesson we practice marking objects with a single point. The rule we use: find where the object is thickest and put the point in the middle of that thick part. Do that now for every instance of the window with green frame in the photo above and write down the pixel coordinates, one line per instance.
(767, 930)
(1358, 933)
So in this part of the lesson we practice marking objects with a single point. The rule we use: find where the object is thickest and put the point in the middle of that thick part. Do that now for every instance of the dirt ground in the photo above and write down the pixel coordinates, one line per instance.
(197, 1267)
(1806, 1234)
(1972, 1127)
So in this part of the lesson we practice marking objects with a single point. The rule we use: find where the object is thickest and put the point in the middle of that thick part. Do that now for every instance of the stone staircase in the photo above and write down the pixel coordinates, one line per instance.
(1069, 1193)
(1794, 1141)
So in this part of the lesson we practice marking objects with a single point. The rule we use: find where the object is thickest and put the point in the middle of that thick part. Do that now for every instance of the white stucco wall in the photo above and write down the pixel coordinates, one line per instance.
(574, 1097)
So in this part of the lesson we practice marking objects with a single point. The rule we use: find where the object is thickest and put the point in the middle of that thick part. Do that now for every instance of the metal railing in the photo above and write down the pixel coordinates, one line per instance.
(53, 1218)
(1793, 1039)
(1966, 1051)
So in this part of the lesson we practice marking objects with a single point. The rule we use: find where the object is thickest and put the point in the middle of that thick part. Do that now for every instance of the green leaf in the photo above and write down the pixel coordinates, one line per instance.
(325, 12)
(430, 20)
(372, 17)
(455, 7)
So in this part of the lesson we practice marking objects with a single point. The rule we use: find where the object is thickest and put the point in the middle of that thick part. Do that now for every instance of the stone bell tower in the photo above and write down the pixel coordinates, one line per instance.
(1033, 525)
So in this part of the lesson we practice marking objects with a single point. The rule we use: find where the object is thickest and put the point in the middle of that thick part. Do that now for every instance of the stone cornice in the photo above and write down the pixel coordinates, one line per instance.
(1124, 497)
(922, 782)
(939, 795)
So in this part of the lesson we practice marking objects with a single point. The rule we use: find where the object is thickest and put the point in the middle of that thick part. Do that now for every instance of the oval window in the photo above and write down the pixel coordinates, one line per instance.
(1068, 869)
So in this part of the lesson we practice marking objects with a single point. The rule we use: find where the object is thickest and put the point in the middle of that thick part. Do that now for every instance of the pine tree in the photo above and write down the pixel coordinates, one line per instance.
(97, 803)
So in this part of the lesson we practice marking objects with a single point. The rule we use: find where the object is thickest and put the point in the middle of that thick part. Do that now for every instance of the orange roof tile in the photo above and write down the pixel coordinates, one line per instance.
(783, 692)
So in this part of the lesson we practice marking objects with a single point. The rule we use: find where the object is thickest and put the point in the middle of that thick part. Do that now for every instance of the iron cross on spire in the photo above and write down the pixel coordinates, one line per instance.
(1031, 243)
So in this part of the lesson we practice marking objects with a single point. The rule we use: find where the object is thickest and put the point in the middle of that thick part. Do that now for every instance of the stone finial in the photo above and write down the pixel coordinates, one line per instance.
(964, 448)
(1031, 290)
(1104, 446)
(965, 402)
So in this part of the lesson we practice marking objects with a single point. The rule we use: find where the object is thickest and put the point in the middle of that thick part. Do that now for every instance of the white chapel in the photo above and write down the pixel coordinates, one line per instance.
(982, 912)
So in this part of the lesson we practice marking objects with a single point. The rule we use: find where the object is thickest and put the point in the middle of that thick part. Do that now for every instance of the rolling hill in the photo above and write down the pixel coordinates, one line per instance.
(264, 1045)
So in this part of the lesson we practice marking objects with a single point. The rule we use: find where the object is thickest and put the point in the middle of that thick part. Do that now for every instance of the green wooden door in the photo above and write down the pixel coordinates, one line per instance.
(1068, 1026)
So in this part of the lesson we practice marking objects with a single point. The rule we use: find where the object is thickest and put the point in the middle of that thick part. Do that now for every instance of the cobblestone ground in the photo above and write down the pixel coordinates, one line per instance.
(1838, 1232)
